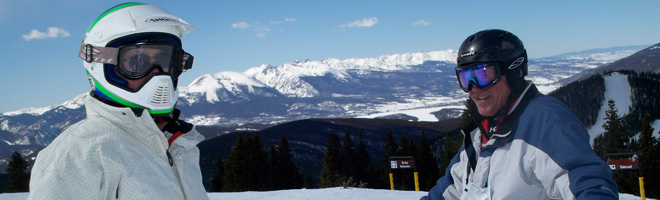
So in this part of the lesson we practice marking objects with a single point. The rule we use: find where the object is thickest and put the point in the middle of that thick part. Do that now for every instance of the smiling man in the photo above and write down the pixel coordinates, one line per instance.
(520, 144)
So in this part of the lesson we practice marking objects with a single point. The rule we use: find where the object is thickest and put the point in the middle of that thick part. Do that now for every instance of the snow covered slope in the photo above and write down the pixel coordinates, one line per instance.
(312, 194)
(618, 89)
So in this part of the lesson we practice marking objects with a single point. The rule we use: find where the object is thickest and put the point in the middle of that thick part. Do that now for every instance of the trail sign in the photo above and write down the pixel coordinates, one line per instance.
(627, 161)
(622, 161)
(402, 162)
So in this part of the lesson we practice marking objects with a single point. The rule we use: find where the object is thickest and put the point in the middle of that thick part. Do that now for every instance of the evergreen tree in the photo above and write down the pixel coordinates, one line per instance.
(404, 178)
(633, 145)
(19, 178)
(599, 146)
(234, 167)
(583, 97)
(348, 156)
(450, 150)
(362, 161)
(454, 139)
(218, 178)
(332, 162)
(383, 170)
(648, 159)
(247, 166)
(274, 167)
(616, 142)
(614, 131)
(645, 96)
(427, 165)
(259, 165)
(391, 148)
(656, 172)
(287, 175)
(470, 107)
(408, 148)
(308, 182)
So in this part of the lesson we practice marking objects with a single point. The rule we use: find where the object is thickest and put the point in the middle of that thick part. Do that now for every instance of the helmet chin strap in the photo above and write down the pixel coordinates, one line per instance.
(172, 117)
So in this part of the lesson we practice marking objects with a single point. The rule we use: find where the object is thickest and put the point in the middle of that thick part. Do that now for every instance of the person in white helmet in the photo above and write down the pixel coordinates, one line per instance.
(132, 144)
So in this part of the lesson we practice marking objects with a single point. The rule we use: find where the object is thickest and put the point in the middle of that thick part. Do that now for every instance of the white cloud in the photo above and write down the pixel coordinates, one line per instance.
(51, 32)
(366, 22)
(421, 22)
(240, 25)
(285, 19)
(256, 27)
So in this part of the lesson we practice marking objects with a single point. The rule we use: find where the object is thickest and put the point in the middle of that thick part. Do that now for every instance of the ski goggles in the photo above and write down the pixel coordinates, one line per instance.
(135, 61)
(482, 76)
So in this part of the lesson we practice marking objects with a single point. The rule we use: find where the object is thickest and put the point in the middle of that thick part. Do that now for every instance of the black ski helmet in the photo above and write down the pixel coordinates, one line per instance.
(496, 46)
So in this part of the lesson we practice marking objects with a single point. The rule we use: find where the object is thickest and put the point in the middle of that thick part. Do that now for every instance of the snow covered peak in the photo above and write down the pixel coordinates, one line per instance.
(605, 56)
(74, 103)
(394, 61)
(287, 78)
(602, 56)
(338, 67)
(295, 69)
(30, 110)
(209, 85)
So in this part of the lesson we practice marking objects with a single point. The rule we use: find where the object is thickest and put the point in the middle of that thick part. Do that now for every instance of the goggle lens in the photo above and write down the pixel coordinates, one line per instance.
(136, 61)
(482, 76)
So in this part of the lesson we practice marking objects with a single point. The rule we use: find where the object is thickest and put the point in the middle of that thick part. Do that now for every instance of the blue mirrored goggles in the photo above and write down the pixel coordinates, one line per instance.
(482, 76)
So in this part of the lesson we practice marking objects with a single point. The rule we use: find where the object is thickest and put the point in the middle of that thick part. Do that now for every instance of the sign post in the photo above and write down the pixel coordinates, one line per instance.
(627, 161)
(403, 162)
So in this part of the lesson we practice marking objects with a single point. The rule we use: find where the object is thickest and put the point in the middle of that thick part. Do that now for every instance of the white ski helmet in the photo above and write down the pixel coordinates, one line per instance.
(136, 26)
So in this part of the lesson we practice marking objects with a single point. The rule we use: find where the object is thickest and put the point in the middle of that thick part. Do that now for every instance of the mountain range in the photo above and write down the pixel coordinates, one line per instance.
(645, 60)
(412, 86)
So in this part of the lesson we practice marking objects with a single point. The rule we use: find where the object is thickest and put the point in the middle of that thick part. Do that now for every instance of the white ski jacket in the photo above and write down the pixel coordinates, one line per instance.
(113, 154)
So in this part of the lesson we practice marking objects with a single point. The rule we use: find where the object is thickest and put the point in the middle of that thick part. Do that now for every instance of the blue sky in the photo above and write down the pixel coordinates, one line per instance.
(40, 38)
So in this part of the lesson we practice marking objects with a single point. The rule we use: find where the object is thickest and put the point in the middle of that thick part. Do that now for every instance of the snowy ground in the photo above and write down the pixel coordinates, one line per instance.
(311, 194)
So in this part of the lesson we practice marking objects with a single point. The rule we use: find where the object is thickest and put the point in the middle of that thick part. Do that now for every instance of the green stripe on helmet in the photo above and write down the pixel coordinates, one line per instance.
(112, 96)
(113, 9)
(160, 112)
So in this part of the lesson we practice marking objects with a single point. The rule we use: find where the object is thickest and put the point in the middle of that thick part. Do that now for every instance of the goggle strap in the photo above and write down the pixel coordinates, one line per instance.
(108, 55)
(187, 61)
(89, 53)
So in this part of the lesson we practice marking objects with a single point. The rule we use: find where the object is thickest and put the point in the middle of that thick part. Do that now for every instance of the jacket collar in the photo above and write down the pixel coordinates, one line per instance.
(140, 125)
(499, 129)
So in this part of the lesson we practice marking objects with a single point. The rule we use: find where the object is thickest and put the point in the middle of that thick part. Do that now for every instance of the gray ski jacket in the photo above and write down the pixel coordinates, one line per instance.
(540, 150)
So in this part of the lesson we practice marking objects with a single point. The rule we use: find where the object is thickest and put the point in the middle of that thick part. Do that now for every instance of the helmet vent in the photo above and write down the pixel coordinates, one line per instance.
(161, 95)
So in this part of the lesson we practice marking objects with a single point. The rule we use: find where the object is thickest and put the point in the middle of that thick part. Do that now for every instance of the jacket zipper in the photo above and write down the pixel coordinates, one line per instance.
(169, 157)
(176, 172)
